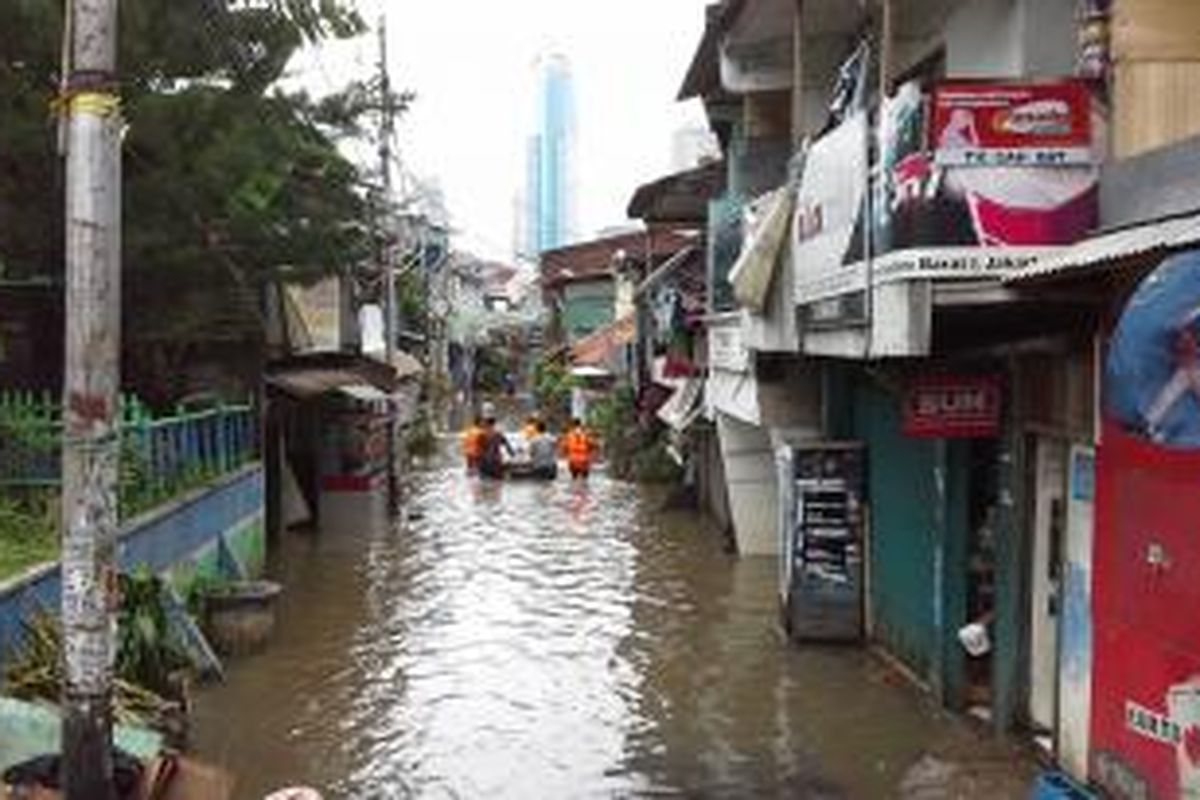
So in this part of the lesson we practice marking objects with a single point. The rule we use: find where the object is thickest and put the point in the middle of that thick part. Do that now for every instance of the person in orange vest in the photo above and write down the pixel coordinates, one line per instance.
(472, 444)
(578, 447)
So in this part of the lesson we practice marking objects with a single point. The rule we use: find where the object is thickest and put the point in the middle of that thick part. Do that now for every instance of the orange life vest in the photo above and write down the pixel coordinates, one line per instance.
(578, 447)
(472, 442)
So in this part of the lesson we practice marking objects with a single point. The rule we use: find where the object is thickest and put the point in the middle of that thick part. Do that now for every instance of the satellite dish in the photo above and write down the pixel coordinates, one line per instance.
(1152, 378)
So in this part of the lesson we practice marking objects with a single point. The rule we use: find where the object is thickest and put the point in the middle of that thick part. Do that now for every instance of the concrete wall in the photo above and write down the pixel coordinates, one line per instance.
(217, 530)
(1143, 188)
(710, 479)
(1011, 38)
(983, 39)
(750, 478)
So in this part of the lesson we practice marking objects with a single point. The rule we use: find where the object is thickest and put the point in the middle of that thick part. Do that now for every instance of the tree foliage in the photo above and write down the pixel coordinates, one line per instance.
(229, 181)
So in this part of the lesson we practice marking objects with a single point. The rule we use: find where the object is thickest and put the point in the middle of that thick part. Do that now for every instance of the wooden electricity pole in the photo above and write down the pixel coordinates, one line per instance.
(90, 397)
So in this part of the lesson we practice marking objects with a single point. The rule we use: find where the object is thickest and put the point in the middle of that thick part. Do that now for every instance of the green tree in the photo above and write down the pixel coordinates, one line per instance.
(230, 183)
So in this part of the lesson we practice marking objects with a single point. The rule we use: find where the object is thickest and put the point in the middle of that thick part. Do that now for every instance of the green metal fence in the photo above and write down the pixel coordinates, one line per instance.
(161, 455)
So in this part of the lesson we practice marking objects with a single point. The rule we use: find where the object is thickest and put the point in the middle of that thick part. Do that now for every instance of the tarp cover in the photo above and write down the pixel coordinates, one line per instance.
(1152, 381)
(754, 270)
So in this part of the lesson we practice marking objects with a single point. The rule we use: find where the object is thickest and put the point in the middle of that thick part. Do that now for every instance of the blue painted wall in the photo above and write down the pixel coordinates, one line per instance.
(213, 528)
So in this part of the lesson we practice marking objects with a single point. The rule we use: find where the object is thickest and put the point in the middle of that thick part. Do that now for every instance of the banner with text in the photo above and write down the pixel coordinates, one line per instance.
(987, 124)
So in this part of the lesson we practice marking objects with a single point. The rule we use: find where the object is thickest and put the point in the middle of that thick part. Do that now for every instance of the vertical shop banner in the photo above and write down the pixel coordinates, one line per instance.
(827, 244)
(985, 124)
(953, 407)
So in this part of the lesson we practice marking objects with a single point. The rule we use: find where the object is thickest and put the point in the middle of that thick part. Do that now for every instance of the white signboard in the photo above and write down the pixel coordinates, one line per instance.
(953, 262)
(828, 205)
(727, 348)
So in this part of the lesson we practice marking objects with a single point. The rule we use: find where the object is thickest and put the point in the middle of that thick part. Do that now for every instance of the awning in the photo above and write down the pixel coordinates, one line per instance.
(363, 393)
(680, 197)
(1158, 237)
(589, 371)
(684, 406)
(596, 348)
(310, 375)
(307, 382)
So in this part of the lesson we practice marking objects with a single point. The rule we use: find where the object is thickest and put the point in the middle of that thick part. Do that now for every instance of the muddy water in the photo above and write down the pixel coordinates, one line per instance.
(530, 641)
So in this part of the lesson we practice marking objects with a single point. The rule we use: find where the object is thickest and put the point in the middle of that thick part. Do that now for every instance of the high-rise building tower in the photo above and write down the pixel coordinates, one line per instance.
(549, 159)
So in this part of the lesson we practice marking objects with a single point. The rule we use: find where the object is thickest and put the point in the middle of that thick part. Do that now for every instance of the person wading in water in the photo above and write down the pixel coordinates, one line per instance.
(472, 444)
(495, 445)
(543, 453)
(578, 447)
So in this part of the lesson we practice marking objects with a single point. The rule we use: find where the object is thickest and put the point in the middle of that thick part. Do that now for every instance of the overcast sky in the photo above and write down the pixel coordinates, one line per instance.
(471, 64)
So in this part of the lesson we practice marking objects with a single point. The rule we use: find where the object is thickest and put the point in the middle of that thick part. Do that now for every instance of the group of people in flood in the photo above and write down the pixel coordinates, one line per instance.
(490, 452)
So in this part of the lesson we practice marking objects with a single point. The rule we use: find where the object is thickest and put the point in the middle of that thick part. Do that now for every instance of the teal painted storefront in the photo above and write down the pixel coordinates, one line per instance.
(918, 532)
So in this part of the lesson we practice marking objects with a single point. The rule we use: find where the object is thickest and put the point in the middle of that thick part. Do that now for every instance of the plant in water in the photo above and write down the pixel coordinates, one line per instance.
(636, 449)
(34, 672)
(148, 654)
(28, 531)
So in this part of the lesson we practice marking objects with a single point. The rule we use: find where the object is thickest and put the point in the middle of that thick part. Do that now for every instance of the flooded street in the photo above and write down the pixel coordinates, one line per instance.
(528, 640)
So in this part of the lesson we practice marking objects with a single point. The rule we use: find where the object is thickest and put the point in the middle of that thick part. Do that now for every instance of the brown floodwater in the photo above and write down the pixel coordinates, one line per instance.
(559, 641)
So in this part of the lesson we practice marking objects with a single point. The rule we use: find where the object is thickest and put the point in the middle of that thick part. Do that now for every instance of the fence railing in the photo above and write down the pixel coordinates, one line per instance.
(161, 456)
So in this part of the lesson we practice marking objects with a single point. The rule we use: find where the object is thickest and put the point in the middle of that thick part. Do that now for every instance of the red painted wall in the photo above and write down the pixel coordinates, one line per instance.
(1146, 740)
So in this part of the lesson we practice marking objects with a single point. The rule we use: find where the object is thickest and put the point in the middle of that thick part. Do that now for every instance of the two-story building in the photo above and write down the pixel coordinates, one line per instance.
(897, 250)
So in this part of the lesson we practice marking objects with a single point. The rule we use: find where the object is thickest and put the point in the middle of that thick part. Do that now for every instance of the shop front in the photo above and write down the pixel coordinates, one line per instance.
(930, 438)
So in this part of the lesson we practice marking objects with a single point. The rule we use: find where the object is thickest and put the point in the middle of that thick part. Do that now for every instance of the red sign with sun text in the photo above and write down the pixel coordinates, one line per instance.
(953, 407)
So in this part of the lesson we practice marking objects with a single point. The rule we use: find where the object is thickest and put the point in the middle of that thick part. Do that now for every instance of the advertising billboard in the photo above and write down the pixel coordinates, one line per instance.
(928, 198)
(988, 124)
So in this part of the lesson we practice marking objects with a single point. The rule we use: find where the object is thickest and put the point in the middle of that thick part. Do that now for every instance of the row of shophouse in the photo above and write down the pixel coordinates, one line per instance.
(928, 334)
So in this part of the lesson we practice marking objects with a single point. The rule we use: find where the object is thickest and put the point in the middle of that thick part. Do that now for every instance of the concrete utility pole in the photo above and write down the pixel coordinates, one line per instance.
(91, 397)
(387, 129)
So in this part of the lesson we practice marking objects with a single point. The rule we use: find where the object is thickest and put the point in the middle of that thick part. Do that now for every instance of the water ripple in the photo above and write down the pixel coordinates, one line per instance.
(520, 641)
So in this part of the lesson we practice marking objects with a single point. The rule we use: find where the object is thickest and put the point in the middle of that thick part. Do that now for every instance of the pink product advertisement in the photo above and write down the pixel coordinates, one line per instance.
(987, 165)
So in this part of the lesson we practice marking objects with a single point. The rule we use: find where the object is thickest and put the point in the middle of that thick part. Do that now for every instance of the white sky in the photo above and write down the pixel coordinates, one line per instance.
(471, 64)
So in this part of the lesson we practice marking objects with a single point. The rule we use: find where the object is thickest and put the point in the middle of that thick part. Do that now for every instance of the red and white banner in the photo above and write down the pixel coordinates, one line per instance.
(985, 124)
(953, 407)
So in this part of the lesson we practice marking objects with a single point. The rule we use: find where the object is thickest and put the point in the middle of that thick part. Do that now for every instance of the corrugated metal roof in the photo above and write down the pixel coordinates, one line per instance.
(1162, 236)
(309, 382)
(597, 347)
(679, 197)
(314, 374)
